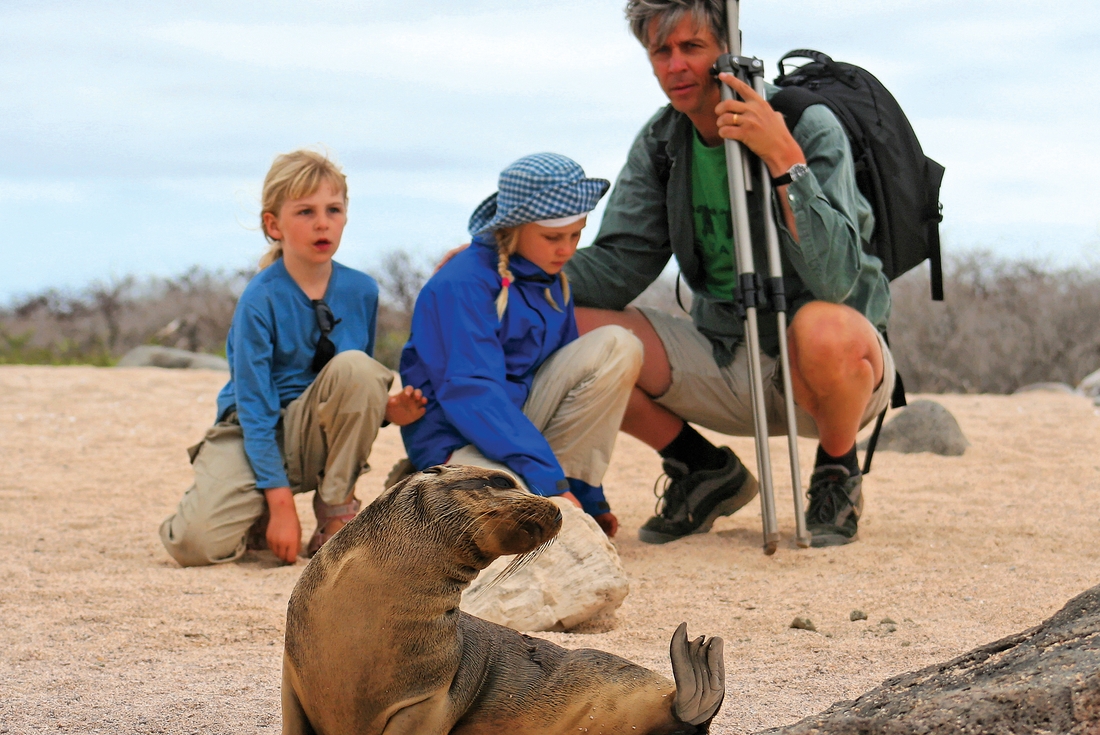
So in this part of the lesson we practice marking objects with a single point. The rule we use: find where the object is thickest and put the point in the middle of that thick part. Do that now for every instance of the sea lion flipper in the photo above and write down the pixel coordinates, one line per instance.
(699, 670)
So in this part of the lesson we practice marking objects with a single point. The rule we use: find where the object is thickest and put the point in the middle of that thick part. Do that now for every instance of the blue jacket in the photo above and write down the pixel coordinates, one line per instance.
(476, 371)
(270, 347)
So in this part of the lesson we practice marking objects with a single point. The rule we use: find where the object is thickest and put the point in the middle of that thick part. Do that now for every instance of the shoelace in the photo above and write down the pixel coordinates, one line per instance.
(670, 491)
(828, 498)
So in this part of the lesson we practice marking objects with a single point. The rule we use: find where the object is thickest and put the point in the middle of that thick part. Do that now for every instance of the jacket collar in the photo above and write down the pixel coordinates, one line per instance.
(521, 267)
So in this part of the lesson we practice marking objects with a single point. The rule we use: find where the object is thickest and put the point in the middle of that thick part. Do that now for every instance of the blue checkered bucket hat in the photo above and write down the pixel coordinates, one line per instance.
(537, 187)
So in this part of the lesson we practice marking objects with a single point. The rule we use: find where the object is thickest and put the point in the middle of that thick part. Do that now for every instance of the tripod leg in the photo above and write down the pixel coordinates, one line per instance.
(779, 303)
(735, 170)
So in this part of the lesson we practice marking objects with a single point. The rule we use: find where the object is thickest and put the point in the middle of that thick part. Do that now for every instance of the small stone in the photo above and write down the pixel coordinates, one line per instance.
(170, 357)
(906, 643)
(857, 615)
(803, 624)
(1046, 388)
(924, 426)
(887, 621)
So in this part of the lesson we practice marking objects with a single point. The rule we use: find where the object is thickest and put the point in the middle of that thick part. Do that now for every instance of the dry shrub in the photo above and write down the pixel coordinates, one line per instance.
(399, 282)
(102, 322)
(1003, 324)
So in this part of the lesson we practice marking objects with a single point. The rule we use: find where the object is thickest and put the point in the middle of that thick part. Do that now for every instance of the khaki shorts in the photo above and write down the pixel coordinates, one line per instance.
(720, 399)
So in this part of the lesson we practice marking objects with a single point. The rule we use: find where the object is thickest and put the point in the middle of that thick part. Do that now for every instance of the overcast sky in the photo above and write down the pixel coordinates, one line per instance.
(135, 135)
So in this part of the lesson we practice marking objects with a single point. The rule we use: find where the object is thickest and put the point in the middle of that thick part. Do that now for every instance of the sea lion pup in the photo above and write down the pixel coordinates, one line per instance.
(375, 642)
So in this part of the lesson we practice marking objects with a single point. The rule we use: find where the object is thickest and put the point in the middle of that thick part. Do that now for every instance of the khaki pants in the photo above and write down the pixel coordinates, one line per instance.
(577, 402)
(720, 398)
(325, 437)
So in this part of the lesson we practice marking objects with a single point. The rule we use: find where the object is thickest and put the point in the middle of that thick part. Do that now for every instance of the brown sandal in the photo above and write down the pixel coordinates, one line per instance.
(325, 514)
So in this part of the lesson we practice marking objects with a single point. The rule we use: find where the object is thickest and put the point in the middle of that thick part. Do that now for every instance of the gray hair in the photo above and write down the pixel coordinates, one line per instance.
(668, 14)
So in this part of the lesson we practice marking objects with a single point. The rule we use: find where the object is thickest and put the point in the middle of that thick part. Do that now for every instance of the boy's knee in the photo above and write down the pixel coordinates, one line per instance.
(358, 369)
(194, 545)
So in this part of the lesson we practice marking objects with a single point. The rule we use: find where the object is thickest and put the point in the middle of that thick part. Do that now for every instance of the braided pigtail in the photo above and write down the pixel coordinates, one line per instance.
(506, 245)
(565, 293)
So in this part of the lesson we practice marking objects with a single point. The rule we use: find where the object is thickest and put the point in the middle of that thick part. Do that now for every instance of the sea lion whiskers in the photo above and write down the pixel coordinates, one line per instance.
(518, 563)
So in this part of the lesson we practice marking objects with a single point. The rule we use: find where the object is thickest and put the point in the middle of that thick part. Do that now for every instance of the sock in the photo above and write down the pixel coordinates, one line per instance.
(848, 460)
(691, 448)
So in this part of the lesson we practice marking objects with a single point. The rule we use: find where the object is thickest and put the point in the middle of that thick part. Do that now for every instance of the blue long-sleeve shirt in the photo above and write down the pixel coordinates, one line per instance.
(476, 371)
(270, 347)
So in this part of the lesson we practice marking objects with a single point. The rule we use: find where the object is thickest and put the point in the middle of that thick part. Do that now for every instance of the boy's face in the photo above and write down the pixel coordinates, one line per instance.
(682, 64)
(310, 228)
(550, 248)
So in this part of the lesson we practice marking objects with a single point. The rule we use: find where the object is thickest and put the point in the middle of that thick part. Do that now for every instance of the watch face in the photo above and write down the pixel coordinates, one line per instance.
(798, 170)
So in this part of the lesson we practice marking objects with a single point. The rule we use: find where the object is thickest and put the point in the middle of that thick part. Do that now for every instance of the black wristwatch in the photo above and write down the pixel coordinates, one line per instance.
(794, 173)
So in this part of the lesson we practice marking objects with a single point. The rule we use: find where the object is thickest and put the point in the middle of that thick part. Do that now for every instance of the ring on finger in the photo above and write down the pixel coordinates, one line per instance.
(736, 118)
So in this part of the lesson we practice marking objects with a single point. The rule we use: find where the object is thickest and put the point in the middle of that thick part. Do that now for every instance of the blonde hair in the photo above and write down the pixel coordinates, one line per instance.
(293, 176)
(507, 239)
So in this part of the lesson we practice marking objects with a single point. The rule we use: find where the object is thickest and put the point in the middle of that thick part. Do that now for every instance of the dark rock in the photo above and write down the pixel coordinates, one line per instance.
(1046, 388)
(170, 357)
(857, 615)
(803, 624)
(1044, 680)
(887, 621)
(923, 426)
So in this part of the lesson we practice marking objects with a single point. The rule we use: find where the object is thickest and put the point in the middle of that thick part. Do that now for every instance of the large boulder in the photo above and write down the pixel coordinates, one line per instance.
(923, 426)
(170, 357)
(1044, 680)
(576, 578)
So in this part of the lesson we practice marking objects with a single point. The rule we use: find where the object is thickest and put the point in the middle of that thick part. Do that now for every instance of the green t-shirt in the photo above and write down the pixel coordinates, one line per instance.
(710, 206)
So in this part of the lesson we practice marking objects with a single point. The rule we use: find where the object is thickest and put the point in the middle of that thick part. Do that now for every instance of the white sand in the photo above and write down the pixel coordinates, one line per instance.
(101, 632)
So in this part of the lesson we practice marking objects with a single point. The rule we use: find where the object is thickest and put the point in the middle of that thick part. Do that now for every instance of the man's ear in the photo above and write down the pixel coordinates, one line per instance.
(271, 226)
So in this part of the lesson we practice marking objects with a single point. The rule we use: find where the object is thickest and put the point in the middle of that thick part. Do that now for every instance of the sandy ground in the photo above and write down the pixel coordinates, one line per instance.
(100, 632)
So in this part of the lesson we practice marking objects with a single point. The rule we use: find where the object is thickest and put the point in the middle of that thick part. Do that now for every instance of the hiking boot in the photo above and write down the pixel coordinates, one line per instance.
(836, 501)
(692, 500)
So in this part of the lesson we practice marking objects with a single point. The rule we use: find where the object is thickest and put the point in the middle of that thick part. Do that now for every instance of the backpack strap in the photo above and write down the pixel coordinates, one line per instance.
(662, 162)
(897, 400)
(793, 101)
(830, 67)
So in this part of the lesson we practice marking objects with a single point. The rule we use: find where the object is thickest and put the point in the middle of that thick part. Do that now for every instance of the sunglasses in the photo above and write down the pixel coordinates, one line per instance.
(326, 350)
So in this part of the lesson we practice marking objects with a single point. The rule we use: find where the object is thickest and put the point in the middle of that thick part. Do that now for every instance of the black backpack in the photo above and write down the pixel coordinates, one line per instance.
(901, 184)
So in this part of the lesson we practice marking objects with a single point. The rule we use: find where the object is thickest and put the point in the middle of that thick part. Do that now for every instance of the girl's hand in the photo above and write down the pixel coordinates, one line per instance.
(284, 531)
(406, 407)
(608, 522)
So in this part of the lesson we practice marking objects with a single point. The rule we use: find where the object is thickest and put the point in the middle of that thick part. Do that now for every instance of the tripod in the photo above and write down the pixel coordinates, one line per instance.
(753, 290)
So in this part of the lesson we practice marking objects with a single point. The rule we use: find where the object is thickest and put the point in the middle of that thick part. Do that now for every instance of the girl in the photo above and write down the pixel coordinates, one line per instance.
(494, 346)
(304, 399)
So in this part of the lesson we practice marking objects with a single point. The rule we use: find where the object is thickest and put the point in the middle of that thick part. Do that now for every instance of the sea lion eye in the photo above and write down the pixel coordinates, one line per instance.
(501, 481)
(437, 470)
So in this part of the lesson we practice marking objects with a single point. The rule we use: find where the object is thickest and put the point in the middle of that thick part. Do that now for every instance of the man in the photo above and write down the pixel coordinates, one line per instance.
(672, 198)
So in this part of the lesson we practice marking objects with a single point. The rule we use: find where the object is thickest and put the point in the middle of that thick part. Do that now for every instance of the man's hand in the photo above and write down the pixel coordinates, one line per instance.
(450, 254)
(284, 531)
(609, 523)
(752, 121)
(406, 406)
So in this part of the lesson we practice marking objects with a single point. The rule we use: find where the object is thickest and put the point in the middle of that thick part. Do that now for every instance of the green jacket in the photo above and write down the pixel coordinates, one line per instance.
(649, 220)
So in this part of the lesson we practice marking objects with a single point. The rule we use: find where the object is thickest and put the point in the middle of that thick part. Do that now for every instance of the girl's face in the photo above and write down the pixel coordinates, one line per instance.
(550, 248)
(310, 228)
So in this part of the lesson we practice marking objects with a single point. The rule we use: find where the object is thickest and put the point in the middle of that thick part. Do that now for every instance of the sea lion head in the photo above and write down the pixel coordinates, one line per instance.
(478, 510)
